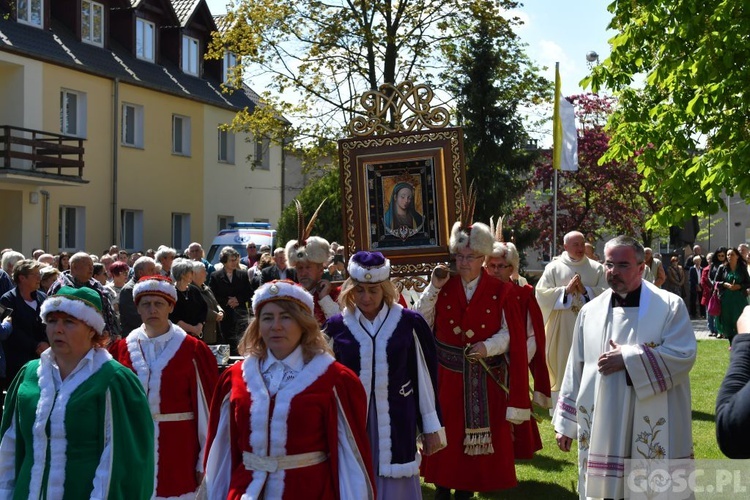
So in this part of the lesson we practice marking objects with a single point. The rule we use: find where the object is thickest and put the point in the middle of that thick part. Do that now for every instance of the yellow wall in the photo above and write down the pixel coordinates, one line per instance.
(150, 179)
(237, 190)
(153, 179)
(95, 196)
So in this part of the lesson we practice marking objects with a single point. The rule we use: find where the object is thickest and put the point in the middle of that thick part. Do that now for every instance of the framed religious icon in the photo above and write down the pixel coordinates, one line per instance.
(399, 195)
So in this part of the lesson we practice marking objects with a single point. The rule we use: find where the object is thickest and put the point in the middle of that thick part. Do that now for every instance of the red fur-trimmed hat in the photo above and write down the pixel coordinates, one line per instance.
(160, 286)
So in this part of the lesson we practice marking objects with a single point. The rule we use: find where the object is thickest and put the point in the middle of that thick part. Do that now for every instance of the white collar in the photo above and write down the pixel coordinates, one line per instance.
(471, 284)
(379, 318)
(294, 361)
(85, 365)
(161, 339)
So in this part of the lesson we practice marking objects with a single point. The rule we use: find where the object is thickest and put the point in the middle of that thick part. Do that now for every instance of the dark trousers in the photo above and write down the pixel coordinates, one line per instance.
(695, 304)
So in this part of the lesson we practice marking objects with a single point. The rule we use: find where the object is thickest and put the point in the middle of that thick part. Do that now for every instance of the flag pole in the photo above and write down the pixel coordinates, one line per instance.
(556, 156)
(554, 217)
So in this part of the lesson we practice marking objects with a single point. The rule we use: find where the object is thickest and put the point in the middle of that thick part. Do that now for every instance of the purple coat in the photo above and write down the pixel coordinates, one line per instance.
(387, 366)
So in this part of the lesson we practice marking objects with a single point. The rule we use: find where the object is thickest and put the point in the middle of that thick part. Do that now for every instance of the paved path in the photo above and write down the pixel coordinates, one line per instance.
(701, 329)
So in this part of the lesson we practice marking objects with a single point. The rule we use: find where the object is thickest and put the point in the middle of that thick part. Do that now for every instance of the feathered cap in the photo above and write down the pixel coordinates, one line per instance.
(369, 267)
(466, 234)
(155, 285)
(282, 290)
(83, 303)
(306, 247)
(501, 249)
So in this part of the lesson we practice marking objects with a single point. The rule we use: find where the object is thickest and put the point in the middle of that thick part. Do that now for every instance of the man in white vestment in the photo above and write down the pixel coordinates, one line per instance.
(567, 283)
(626, 389)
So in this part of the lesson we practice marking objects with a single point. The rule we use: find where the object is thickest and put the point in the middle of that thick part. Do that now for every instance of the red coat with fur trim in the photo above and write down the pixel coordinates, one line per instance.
(181, 382)
(324, 405)
(482, 316)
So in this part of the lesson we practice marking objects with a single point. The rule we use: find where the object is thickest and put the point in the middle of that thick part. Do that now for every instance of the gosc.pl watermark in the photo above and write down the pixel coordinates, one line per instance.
(678, 479)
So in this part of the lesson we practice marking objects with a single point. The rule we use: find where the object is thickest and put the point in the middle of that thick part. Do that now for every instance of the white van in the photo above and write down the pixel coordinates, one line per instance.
(238, 235)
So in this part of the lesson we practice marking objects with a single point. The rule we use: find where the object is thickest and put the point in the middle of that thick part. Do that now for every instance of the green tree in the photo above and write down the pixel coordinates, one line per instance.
(329, 53)
(687, 129)
(601, 198)
(493, 77)
(328, 224)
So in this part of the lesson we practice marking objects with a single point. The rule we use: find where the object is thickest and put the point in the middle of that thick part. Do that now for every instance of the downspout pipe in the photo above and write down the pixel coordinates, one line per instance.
(115, 122)
(45, 229)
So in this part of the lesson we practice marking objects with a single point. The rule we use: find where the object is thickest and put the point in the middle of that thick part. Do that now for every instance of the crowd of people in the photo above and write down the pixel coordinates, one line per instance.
(340, 389)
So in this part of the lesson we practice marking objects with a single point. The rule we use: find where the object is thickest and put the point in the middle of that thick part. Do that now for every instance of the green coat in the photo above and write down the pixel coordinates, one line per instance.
(96, 430)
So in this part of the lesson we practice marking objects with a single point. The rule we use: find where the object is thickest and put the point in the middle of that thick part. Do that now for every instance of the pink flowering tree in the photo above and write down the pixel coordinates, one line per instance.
(597, 199)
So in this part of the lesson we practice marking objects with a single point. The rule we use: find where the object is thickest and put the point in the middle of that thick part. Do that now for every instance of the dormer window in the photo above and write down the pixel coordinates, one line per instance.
(190, 55)
(92, 22)
(145, 39)
(230, 62)
(30, 12)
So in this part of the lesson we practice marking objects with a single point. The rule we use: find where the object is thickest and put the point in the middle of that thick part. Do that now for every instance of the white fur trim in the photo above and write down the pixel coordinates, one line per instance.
(542, 400)
(281, 290)
(316, 249)
(52, 409)
(376, 348)
(517, 415)
(154, 286)
(150, 376)
(369, 274)
(480, 240)
(259, 418)
(76, 308)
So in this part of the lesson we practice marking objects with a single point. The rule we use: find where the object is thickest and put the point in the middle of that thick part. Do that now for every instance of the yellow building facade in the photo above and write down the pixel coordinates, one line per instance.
(157, 169)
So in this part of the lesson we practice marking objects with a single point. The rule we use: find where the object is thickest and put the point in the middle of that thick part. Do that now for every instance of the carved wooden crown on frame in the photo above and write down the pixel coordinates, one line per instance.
(391, 109)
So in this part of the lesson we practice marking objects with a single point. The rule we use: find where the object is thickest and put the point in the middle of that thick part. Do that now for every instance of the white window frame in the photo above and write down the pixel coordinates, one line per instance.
(223, 221)
(25, 16)
(73, 125)
(134, 113)
(230, 61)
(226, 147)
(180, 230)
(181, 135)
(76, 226)
(131, 238)
(191, 50)
(262, 160)
(93, 7)
(147, 51)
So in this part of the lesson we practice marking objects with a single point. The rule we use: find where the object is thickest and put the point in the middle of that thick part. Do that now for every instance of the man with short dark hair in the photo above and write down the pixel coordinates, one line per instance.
(129, 317)
(626, 389)
(252, 257)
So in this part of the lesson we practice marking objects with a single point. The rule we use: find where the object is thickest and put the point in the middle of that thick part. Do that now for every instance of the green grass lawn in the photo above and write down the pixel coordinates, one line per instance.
(553, 474)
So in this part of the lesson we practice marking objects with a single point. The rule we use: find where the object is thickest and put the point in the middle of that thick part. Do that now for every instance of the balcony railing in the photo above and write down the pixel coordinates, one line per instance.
(40, 152)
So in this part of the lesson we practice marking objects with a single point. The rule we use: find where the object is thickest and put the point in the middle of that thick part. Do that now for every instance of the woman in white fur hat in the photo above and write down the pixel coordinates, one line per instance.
(76, 423)
(289, 421)
(393, 352)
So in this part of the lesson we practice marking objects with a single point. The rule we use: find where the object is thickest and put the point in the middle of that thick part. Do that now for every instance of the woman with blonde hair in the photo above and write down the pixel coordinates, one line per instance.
(289, 421)
(393, 352)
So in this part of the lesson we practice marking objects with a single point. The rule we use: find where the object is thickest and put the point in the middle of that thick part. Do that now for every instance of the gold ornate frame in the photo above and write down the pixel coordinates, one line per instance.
(361, 159)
